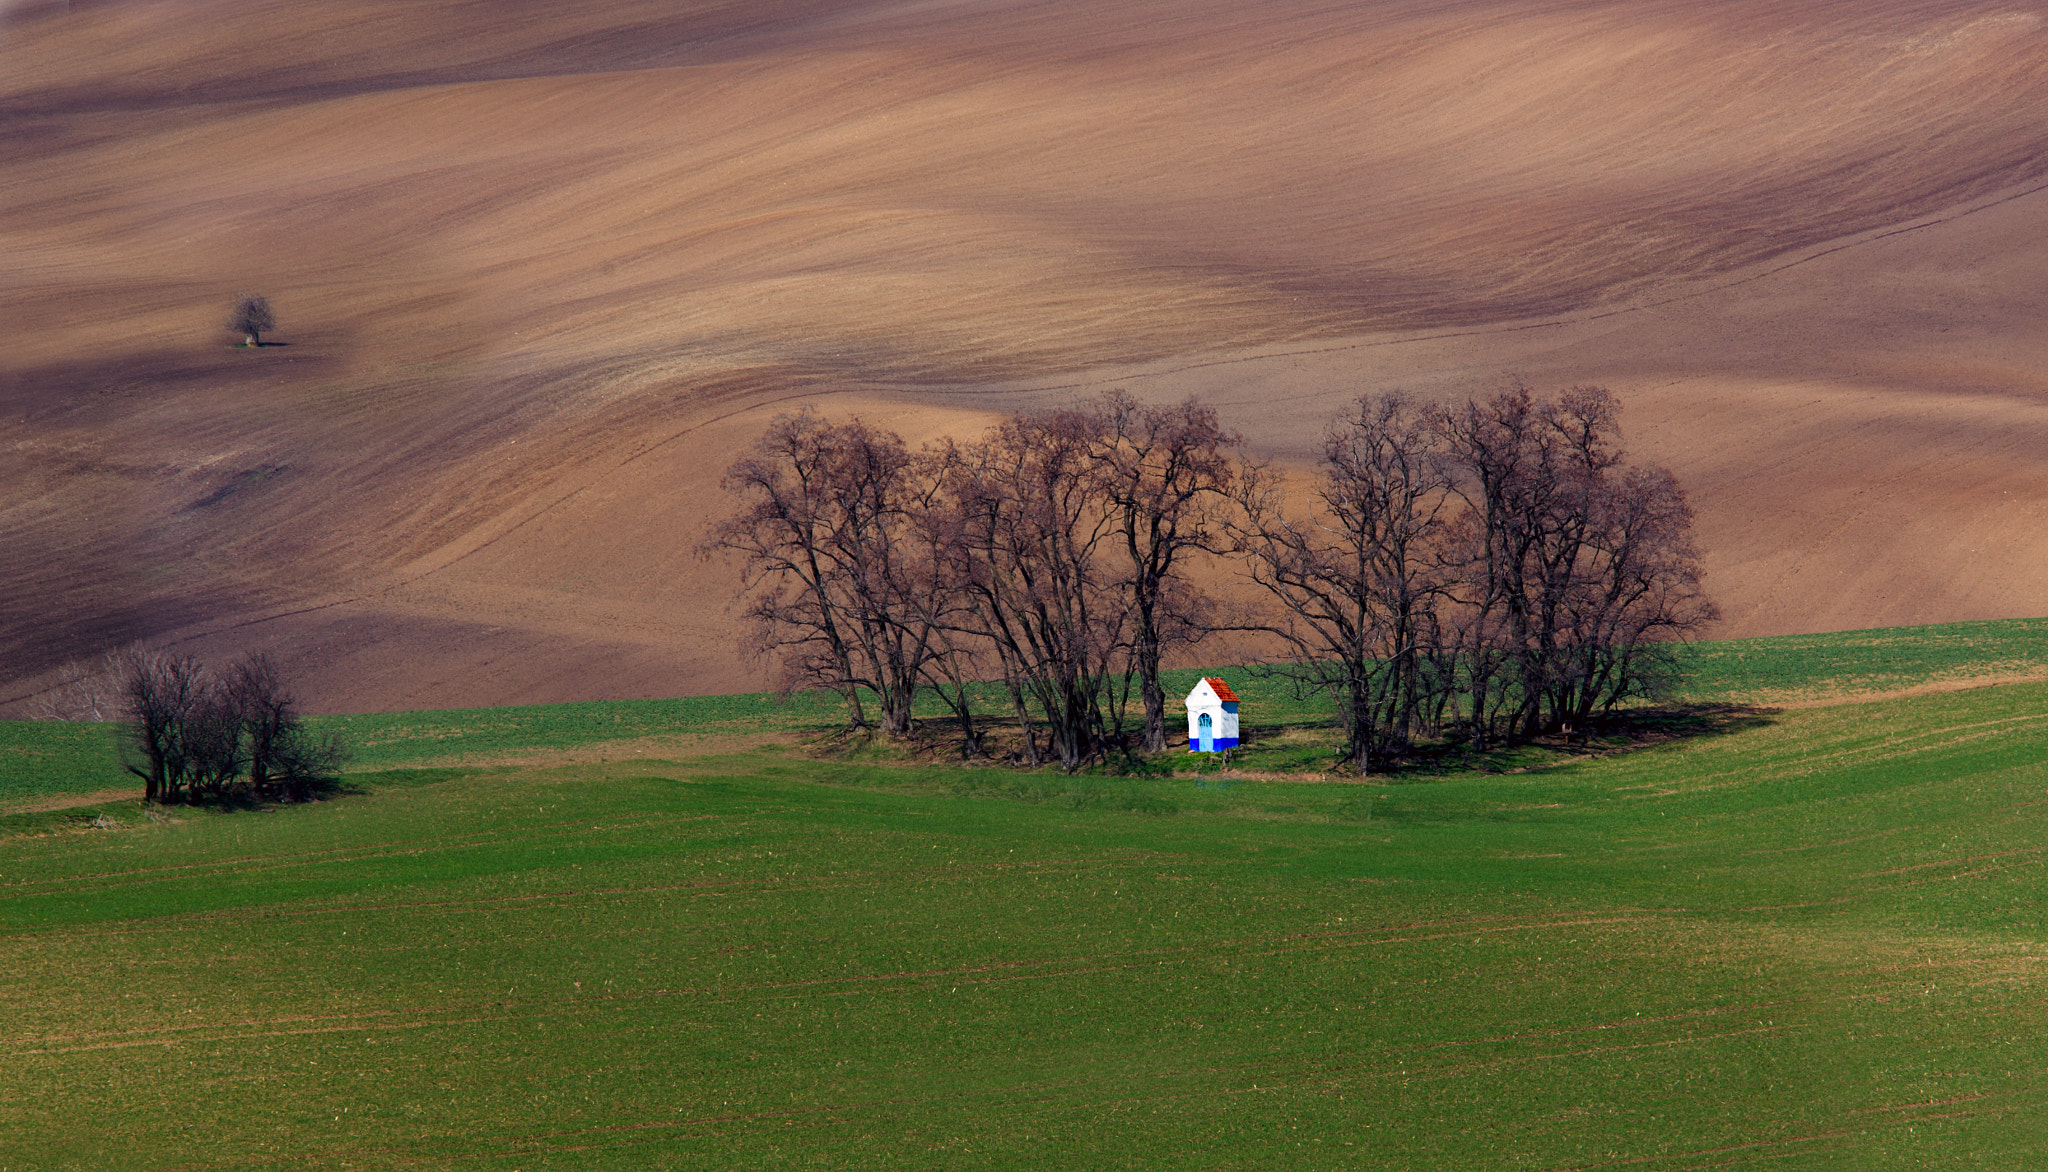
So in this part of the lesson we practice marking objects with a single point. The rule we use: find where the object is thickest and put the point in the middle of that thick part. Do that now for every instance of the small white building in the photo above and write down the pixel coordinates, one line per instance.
(1212, 717)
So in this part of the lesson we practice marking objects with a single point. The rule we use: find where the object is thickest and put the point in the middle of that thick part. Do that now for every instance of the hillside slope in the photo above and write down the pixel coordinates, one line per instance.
(542, 267)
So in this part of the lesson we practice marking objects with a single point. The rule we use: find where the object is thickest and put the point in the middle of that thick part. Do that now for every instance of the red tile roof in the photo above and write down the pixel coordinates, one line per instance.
(1223, 691)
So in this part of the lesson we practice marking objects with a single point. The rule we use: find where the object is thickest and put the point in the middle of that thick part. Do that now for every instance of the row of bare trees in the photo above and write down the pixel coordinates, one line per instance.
(197, 735)
(1495, 568)
(1048, 555)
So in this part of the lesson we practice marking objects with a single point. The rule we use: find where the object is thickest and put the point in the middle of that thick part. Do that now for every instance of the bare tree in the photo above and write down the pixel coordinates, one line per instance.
(836, 585)
(1499, 560)
(163, 693)
(942, 602)
(1166, 473)
(86, 690)
(251, 317)
(1508, 472)
(196, 736)
(214, 753)
(1030, 555)
(1640, 593)
(303, 763)
(283, 757)
(1499, 563)
(1355, 578)
(1575, 563)
(879, 572)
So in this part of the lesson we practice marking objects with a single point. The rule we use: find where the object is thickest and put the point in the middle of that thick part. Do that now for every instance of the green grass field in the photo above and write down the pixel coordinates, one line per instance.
(42, 760)
(1811, 939)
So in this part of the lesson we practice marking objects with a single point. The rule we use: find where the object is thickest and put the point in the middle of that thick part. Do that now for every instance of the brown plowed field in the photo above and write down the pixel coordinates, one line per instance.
(542, 267)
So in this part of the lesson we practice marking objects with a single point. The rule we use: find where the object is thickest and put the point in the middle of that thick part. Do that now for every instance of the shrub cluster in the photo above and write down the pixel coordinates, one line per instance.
(195, 735)
(1495, 568)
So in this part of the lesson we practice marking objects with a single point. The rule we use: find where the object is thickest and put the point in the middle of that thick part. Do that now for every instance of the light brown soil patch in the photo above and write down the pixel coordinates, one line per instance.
(620, 756)
(71, 801)
(1939, 687)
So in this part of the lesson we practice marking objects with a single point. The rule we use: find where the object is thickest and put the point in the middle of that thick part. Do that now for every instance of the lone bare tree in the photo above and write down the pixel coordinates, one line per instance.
(87, 690)
(830, 562)
(1165, 472)
(251, 317)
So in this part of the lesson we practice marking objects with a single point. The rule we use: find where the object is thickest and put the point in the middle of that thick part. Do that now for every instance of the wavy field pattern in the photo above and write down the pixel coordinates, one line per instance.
(1815, 939)
(541, 267)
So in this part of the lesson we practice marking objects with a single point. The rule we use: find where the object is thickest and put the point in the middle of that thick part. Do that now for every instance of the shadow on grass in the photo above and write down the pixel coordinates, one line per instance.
(130, 812)
(1303, 750)
(1312, 749)
(1686, 721)
(1618, 732)
(346, 785)
(242, 799)
(133, 811)
(1079, 791)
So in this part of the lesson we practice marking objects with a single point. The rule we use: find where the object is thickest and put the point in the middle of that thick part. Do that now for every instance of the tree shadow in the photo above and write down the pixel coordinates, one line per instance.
(1278, 748)
(1618, 732)
(1651, 725)
(243, 799)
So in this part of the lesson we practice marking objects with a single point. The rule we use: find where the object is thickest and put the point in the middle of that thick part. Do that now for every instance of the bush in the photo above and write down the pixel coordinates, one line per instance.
(195, 736)
(250, 317)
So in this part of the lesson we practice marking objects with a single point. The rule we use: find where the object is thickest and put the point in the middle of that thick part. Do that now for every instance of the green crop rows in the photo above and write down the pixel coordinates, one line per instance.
(43, 759)
(1808, 938)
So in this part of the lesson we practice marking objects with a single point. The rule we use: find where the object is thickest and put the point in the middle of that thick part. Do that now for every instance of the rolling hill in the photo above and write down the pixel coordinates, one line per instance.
(542, 268)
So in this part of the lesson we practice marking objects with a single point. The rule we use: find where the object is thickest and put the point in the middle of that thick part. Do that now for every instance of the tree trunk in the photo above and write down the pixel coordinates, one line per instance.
(856, 714)
(1024, 723)
(1155, 711)
(896, 714)
(970, 743)
(1360, 717)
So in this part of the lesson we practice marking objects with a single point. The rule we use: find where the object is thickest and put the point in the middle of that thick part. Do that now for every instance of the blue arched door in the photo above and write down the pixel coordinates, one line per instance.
(1207, 730)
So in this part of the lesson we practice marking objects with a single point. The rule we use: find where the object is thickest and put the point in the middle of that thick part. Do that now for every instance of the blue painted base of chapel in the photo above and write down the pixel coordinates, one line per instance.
(1220, 743)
